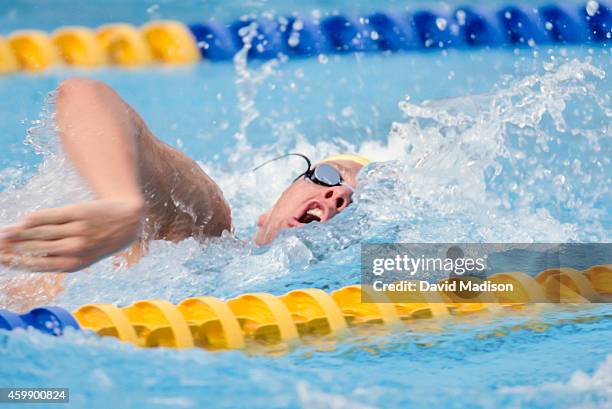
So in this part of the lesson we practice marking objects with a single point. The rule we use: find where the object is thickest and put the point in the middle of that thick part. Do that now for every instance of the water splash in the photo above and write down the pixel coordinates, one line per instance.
(510, 166)
(247, 82)
(55, 184)
(523, 163)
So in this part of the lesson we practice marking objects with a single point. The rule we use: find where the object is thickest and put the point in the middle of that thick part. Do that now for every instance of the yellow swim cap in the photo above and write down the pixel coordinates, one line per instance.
(349, 156)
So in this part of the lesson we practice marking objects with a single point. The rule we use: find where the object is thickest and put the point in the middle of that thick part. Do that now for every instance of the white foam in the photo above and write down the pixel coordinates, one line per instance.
(311, 398)
(584, 390)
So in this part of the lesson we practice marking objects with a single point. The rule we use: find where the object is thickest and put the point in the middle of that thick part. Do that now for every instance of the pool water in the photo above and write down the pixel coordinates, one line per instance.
(471, 146)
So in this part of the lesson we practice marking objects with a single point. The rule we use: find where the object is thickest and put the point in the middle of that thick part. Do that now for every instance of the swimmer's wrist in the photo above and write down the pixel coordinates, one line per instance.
(132, 207)
(135, 206)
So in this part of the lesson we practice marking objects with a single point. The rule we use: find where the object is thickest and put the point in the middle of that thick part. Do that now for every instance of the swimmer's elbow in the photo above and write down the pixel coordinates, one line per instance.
(91, 104)
(76, 90)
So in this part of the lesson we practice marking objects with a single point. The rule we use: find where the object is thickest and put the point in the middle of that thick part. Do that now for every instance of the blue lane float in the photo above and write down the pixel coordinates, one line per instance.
(478, 28)
(10, 321)
(510, 25)
(214, 41)
(304, 38)
(393, 32)
(173, 42)
(49, 320)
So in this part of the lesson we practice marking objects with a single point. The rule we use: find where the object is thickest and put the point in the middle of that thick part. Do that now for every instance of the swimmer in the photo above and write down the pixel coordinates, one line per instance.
(146, 190)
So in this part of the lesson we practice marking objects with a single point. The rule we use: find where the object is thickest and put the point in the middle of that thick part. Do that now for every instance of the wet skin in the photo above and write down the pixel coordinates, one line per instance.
(144, 190)
(304, 202)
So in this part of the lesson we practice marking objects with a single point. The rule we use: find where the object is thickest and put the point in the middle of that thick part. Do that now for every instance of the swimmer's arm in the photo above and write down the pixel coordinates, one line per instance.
(132, 173)
(99, 135)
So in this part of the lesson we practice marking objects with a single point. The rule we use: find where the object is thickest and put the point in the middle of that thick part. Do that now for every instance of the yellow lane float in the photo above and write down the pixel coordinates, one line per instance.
(600, 278)
(79, 46)
(106, 320)
(377, 309)
(171, 42)
(124, 44)
(314, 312)
(411, 305)
(264, 317)
(321, 318)
(159, 323)
(33, 50)
(213, 324)
(8, 62)
(525, 288)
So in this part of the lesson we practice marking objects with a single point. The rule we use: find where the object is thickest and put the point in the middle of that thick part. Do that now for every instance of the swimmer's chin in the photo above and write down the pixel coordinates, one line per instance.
(266, 235)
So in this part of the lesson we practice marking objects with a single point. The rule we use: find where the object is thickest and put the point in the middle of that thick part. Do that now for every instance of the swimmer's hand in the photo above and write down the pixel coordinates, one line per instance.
(70, 238)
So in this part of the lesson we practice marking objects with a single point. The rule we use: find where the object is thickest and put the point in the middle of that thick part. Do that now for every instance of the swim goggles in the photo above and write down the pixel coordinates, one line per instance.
(321, 174)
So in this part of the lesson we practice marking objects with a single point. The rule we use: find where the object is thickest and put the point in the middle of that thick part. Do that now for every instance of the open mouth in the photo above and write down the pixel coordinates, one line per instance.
(313, 213)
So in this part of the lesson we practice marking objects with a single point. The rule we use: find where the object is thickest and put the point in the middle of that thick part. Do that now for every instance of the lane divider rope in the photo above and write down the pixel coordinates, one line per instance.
(173, 42)
(261, 318)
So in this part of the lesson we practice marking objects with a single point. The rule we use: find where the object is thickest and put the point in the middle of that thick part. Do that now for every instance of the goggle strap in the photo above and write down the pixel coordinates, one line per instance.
(284, 156)
(309, 172)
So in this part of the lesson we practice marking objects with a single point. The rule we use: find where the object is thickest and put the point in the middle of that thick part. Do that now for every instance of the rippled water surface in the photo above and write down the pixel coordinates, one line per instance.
(471, 146)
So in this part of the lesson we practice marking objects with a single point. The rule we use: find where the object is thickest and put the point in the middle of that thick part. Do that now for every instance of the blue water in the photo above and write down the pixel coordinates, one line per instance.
(514, 146)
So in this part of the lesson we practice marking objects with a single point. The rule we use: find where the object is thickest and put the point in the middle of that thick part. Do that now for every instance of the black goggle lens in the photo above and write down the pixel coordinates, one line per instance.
(326, 175)
(323, 174)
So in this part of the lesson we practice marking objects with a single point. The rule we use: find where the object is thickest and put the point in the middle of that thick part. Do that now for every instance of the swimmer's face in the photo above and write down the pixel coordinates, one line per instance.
(304, 202)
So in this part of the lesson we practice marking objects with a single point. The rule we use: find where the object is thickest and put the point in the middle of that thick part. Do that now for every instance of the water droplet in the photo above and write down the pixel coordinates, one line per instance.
(294, 39)
(592, 7)
(559, 180)
(323, 59)
(152, 9)
(374, 35)
(441, 23)
(548, 25)
(460, 17)
(347, 111)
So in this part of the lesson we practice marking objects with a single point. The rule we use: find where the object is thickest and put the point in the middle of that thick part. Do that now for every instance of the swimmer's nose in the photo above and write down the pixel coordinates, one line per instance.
(336, 199)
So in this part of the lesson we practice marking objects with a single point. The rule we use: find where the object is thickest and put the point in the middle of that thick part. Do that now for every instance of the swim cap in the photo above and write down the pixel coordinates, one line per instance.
(349, 156)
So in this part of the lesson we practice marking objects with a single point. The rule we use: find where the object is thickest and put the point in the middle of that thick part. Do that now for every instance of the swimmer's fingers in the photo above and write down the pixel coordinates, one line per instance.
(44, 224)
(48, 232)
(63, 247)
(59, 215)
(64, 264)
